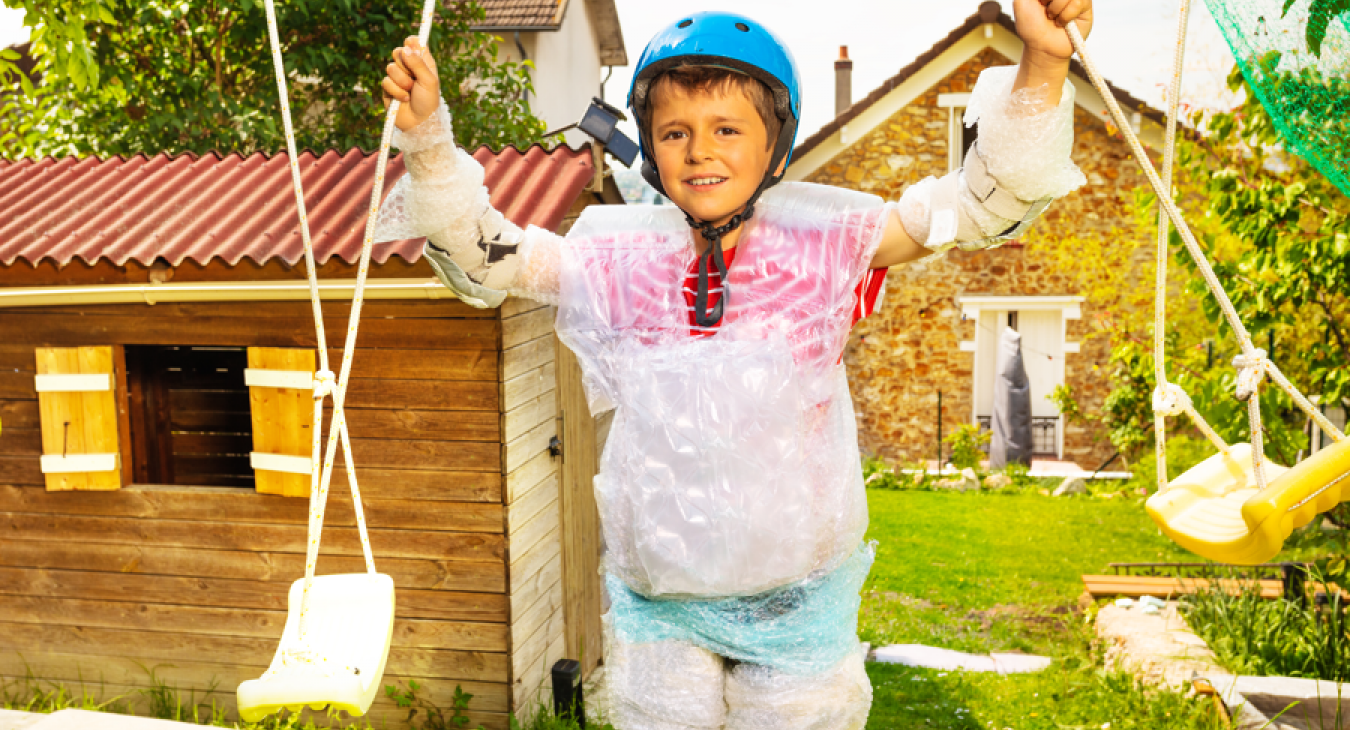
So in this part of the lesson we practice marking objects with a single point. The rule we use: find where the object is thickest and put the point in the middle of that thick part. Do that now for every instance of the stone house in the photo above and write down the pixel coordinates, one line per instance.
(923, 363)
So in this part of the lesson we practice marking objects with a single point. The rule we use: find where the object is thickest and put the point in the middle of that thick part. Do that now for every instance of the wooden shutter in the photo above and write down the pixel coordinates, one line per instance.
(281, 398)
(77, 400)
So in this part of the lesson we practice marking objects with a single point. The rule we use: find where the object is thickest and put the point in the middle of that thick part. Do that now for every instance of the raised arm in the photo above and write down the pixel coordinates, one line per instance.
(474, 250)
(1020, 161)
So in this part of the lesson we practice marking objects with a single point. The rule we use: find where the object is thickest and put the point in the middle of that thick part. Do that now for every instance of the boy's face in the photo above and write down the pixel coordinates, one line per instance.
(711, 149)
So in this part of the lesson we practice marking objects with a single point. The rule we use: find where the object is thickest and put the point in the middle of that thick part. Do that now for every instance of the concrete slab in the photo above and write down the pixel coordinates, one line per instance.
(19, 720)
(85, 720)
(918, 655)
(1285, 703)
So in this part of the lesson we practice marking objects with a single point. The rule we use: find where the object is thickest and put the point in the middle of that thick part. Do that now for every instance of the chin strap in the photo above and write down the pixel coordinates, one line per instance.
(703, 317)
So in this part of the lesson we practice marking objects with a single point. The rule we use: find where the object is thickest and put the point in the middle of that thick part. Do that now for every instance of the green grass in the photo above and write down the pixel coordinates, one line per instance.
(976, 551)
(983, 572)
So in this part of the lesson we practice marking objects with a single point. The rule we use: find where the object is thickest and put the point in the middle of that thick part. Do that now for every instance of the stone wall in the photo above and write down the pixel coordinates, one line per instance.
(901, 357)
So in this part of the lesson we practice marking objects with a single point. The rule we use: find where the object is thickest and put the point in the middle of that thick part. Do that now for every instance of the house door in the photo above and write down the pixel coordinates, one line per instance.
(1042, 354)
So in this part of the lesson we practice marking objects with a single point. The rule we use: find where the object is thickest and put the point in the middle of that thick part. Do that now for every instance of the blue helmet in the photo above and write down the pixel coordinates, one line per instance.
(724, 40)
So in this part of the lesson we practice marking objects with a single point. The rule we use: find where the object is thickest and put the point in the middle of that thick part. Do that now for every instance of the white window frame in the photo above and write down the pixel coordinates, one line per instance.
(955, 104)
(1069, 307)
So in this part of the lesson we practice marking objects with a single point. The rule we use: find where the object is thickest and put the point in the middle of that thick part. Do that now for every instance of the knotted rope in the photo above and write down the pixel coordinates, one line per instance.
(325, 384)
(1254, 362)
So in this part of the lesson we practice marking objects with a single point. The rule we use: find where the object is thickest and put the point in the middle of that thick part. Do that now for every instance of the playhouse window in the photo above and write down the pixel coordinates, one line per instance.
(189, 413)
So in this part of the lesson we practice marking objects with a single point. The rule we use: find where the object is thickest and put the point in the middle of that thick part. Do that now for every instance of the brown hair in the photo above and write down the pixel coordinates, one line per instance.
(706, 79)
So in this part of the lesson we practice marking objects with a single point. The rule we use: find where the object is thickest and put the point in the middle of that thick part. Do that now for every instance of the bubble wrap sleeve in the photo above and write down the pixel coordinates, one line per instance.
(1023, 148)
(474, 250)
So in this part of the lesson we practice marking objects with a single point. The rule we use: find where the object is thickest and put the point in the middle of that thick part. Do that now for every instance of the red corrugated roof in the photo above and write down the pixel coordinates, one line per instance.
(201, 208)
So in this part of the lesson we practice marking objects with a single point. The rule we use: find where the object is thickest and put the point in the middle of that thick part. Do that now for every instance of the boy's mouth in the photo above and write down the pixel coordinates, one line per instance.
(707, 182)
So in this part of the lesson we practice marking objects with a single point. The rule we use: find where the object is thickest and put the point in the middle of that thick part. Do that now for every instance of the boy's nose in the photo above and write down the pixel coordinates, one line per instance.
(698, 150)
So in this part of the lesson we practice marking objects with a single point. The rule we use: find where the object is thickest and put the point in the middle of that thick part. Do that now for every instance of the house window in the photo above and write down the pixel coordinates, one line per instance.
(959, 136)
(189, 413)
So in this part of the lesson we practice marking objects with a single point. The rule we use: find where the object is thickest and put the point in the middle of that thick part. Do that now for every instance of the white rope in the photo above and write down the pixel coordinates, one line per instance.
(1160, 295)
(325, 384)
(1192, 245)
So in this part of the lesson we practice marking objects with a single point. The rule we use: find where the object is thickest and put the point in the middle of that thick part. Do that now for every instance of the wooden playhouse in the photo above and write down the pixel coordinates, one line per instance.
(148, 521)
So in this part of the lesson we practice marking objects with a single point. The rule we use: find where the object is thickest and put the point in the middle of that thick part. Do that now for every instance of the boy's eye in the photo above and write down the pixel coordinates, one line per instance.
(673, 135)
(728, 130)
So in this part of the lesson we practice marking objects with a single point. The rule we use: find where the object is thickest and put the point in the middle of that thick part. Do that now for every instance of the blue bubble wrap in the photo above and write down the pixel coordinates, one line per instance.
(806, 628)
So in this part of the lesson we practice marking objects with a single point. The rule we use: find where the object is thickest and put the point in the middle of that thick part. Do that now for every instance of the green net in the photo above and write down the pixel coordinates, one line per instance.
(1296, 55)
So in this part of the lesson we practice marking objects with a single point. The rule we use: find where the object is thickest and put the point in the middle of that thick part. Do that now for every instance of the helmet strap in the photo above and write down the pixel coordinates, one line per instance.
(704, 317)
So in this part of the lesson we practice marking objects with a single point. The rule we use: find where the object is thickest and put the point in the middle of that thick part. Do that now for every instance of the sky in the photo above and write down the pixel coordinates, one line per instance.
(1133, 42)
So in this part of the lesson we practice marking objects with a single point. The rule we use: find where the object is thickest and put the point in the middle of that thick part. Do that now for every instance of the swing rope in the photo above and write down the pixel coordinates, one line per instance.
(1253, 365)
(325, 383)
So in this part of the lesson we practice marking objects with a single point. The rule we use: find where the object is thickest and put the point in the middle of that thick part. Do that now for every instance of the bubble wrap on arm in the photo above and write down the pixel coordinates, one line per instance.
(1025, 147)
(474, 250)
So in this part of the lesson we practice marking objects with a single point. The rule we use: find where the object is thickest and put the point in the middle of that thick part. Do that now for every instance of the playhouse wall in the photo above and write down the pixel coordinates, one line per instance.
(451, 410)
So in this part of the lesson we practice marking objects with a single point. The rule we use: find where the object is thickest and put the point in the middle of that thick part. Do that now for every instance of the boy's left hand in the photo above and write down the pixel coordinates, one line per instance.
(1041, 25)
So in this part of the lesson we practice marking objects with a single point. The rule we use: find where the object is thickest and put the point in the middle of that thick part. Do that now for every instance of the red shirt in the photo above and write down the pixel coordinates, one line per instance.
(865, 295)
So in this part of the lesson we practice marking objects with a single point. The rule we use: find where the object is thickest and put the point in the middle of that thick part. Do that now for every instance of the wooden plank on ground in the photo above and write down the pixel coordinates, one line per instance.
(1135, 586)
(226, 536)
(246, 565)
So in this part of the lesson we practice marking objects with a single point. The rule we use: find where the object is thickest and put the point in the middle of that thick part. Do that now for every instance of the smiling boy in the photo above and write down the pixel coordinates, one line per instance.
(730, 490)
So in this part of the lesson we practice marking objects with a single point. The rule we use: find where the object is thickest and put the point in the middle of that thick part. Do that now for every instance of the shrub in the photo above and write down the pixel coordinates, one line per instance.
(967, 443)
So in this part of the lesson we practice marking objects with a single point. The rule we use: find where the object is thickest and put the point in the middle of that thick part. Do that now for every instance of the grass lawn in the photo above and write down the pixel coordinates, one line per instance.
(986, 572)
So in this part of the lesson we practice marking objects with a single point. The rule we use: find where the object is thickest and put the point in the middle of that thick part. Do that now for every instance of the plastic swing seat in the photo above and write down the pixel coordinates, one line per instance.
(1216, 511)
(348, 632)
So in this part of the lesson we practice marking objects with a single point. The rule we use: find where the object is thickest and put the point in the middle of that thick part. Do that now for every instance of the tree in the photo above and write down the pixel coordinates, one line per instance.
(121, 77)
(1275, 231)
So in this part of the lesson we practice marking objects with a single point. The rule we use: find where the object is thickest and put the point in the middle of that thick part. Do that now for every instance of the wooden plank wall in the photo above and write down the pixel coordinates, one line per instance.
(580, 517)
(531, 499)
(192, 581)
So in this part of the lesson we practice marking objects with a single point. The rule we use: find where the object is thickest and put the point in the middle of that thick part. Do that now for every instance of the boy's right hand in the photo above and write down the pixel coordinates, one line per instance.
(412, 79)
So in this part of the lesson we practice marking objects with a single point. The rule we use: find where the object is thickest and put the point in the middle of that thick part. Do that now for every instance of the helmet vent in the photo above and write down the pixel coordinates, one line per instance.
(743, 27)
(685, 23)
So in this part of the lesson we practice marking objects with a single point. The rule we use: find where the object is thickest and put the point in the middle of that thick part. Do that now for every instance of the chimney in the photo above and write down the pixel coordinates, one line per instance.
(843, 82)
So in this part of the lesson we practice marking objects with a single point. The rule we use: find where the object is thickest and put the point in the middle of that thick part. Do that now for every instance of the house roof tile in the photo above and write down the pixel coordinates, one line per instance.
(232, 207)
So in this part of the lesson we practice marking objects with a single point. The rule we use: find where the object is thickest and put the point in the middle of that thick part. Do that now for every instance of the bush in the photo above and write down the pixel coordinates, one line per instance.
(967, 443)
(880, 474)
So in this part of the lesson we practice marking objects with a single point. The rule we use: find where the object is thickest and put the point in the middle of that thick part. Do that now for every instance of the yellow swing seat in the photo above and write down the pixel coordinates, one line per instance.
(347, 636)
(1216, 511)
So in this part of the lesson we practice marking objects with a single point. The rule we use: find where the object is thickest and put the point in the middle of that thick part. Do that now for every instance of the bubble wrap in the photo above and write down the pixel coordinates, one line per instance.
(804, 629)
(443, 198)
(1026, 147)
(762, 698)
(731, 467)
(668, 685)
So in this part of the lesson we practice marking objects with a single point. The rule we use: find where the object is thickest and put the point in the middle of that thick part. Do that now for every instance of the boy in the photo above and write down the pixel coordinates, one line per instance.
(730, 489)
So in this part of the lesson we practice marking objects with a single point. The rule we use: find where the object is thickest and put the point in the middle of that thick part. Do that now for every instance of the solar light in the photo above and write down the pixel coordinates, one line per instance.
(601, 122)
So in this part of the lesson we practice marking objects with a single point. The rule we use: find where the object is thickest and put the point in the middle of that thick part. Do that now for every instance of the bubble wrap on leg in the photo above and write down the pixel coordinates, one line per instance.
(663, 685)
(763, 698)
